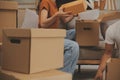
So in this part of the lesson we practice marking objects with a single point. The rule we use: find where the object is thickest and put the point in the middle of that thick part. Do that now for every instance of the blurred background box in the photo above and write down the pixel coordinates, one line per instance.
(87, 32)
(8, 15)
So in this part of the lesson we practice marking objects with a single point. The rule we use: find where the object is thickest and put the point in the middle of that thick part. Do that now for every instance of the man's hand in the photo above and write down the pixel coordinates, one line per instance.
(99, 76)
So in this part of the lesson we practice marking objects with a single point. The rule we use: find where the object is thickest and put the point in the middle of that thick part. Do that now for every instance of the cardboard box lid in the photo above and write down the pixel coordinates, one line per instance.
(34, 32)
(17, 32)
(48, 32)
(11, 5)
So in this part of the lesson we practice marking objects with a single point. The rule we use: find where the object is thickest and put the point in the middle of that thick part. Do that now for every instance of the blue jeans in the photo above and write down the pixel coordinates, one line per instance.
(71, 54)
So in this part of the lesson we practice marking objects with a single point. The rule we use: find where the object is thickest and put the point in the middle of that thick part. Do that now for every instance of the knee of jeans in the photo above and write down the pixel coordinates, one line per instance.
(76, 48)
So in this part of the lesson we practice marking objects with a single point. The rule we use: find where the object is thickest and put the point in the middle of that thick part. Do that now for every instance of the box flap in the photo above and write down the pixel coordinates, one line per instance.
(11, 5)
(17, 32)
(48, 33)
(115, 60)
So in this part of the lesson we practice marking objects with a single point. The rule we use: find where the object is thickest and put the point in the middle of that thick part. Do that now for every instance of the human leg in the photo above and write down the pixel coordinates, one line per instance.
(71, 54)
(70, 34)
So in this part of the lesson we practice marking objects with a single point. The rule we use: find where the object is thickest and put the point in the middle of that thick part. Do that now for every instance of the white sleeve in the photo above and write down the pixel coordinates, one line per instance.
(109, 36)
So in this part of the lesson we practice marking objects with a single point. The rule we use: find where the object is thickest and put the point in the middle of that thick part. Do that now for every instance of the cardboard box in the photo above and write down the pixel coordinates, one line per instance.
(45, 75)
(75, 6)
(8, 15)
(32, 50)
(0, 54)
(113, 69)
(87, 32)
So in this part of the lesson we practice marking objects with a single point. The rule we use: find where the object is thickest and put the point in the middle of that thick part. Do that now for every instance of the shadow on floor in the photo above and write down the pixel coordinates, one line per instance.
(85, 74)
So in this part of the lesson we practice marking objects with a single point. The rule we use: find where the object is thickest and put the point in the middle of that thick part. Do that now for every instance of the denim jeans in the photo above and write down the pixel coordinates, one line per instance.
(71, 53)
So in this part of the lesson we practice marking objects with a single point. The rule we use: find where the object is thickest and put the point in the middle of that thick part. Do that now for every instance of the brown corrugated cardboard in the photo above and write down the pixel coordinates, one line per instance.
(45, 75)
(11, 5)
(32, 50)
(0, 53)
(75, 7)
(8, 15)
(108, 15)
(87, 32)
(113, 69)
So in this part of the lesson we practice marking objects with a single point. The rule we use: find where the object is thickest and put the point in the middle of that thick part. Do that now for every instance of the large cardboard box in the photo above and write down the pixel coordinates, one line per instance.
(32, 50)
(87, 32)
(75, 7)
(8, 15)
(45, 75)
(113, 69)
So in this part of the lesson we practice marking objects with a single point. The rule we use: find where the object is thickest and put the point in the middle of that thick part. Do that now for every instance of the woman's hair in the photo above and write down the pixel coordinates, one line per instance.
(38, 6)
(58, 3)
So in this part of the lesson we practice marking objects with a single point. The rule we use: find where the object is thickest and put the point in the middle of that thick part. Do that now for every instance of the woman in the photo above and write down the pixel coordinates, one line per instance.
(50, 16)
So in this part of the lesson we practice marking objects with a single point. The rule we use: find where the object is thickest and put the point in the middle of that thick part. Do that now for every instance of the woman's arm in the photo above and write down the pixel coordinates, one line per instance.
(45, 22)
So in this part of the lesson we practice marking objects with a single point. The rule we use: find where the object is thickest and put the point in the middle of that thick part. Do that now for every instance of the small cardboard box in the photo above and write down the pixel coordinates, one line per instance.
(8, 15)
(87, 32)
(32, 50)
(45, 75)
(75, 6)
(113, 69)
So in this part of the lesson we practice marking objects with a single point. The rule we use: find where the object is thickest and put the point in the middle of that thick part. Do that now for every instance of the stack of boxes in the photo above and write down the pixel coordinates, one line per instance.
(8, 17)
(32, 54)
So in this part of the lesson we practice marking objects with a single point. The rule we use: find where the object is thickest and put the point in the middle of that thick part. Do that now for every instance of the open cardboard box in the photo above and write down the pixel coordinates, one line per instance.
(87, 31)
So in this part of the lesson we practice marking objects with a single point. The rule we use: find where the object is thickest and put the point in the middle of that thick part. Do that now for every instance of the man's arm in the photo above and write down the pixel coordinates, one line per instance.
(106, 56)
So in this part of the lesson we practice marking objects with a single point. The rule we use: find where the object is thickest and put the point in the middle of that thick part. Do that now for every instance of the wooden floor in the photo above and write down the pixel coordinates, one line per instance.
(85, 74)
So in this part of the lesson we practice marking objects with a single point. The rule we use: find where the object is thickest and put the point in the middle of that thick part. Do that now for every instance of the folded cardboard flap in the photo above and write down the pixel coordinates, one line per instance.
(108, 15)
(75, 6)
(11, 5)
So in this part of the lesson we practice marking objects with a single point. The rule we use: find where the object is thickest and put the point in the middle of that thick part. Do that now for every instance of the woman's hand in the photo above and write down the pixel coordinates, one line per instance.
(99, 76)
(61, 13)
